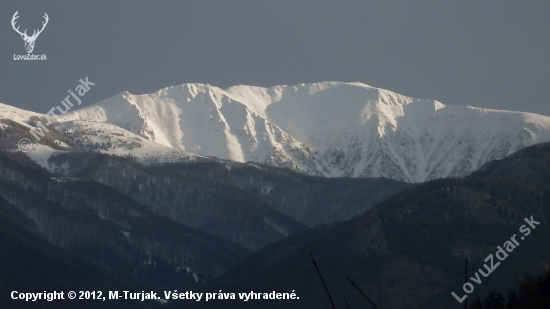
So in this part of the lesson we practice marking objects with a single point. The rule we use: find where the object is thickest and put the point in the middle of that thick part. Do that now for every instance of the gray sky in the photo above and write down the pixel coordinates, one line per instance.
(492, 54)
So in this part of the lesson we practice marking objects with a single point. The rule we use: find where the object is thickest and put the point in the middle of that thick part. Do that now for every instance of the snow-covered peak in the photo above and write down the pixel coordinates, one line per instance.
(327, 128)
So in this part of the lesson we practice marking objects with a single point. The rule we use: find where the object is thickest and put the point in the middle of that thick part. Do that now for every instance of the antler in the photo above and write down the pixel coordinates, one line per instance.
(15, 16)
(34, 33)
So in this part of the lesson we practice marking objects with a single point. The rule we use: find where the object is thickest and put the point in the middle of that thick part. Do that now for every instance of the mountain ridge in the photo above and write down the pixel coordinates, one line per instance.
(330, 129)
(408, 251)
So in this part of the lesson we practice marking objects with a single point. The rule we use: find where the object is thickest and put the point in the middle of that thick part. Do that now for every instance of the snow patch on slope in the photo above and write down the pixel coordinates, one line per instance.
(41, 154)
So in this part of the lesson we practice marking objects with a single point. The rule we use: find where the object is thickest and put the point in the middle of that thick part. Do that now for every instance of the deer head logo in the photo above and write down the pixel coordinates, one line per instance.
(29, 40)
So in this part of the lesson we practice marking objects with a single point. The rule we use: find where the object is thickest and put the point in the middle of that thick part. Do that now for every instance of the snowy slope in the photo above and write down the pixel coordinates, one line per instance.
(330, 128)
(83, 136)
(204, 120)
(17, 115)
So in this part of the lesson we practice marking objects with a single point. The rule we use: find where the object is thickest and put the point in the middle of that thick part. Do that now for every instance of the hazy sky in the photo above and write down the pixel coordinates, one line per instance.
(492, 54)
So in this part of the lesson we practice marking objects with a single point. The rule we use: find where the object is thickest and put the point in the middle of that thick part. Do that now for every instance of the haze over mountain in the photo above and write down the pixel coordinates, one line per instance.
(332, 129)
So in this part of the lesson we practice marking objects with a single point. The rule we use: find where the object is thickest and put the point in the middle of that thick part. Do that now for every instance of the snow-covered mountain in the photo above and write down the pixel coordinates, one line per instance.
(331, 128)
(69, 135)
(205, 120)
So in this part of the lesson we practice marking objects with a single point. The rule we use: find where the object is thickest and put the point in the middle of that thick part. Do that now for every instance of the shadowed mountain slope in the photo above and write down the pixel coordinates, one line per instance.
(408, 251)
